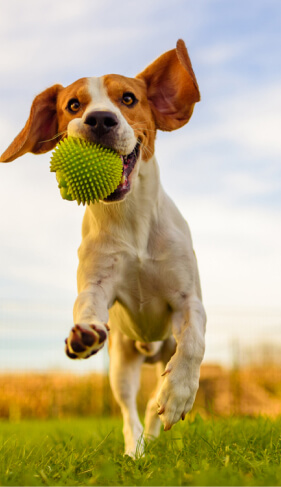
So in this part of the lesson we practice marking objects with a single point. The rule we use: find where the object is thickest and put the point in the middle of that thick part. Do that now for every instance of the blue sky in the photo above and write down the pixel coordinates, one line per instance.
(223, 169)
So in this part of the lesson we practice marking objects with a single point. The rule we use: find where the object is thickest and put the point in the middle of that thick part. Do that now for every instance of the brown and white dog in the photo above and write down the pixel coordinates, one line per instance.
(137, 274)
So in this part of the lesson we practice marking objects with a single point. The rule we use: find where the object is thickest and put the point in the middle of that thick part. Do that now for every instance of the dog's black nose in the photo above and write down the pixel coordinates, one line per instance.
(101, 122)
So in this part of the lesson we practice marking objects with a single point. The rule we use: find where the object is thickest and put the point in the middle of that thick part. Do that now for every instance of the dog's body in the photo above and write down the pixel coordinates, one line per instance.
(137, 272)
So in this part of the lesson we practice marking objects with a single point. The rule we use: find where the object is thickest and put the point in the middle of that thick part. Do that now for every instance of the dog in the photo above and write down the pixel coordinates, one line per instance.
(138, 280)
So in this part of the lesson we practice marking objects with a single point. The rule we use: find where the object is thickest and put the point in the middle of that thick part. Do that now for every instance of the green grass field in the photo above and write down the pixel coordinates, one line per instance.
(237, 451)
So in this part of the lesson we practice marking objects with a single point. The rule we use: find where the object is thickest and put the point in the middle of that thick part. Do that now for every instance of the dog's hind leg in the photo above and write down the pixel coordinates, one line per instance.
(152, 421)
(125, 365)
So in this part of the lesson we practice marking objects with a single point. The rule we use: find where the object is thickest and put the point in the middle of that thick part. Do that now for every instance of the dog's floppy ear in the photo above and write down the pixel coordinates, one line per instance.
(172, 88)
(41, 126)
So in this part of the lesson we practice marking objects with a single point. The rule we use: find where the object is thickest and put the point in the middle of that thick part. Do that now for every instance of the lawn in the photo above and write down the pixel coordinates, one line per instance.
(88, 451)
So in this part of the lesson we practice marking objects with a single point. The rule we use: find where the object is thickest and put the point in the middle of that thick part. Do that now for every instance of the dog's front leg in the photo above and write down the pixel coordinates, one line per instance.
(181, 376)
(90, 331)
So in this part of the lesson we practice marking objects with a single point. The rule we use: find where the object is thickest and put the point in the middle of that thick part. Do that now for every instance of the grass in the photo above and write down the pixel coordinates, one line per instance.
(233, 451)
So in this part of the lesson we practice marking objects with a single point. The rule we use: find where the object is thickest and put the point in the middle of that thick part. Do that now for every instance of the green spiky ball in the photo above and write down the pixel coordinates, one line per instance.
(86, 172)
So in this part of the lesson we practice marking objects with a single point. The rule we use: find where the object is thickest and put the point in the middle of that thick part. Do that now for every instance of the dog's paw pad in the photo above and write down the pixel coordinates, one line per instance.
(85, 341)
(68, 353)
(102, 334)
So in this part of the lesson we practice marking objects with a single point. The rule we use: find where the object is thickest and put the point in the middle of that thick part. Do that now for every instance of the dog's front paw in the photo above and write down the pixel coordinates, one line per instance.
(85, 340)
(176, 396)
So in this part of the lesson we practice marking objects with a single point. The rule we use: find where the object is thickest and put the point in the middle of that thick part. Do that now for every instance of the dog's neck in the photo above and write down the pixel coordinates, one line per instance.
(136, 211)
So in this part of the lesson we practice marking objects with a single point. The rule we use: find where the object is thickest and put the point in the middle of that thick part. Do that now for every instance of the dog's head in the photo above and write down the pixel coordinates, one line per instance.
(114, 111)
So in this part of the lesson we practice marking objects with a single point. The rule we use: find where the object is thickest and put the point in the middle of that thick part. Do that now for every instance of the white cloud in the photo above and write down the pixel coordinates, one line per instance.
(219, 53)
(40, 233)
(253, 119)
(248, 184)
(238, 250)
(33, 13)
(231, 148)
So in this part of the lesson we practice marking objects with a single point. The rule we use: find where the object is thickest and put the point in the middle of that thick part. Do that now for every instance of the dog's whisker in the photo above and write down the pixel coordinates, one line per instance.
(136, 127)
(147, 151)
(144, 148)
(145, 130)
(134, 124)
(55, 137)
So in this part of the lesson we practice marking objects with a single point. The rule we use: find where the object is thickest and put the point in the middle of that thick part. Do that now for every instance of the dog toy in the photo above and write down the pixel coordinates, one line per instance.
(86, 172)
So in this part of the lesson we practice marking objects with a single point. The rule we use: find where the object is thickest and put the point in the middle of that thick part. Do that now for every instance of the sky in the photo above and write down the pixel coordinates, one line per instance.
(222, 169)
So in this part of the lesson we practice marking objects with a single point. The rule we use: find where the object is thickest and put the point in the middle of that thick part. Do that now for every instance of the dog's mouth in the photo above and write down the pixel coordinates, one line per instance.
(129, 162)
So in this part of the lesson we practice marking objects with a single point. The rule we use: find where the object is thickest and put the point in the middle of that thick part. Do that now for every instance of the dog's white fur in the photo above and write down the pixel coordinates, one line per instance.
(137, 276)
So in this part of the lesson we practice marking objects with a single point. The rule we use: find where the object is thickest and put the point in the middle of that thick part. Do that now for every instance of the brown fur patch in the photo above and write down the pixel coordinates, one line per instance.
(79, 90)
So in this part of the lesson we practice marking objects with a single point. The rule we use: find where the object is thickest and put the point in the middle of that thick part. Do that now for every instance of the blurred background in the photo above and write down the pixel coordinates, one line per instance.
(222, 169)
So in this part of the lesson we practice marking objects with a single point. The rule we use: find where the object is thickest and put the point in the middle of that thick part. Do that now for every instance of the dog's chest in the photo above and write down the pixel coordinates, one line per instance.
(143, 309)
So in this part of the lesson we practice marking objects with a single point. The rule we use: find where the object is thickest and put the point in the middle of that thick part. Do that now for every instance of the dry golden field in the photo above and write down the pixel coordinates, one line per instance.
(249, 391)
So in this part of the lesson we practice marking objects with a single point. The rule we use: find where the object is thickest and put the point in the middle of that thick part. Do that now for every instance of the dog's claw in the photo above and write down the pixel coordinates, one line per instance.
(166, 372)
(161, 410)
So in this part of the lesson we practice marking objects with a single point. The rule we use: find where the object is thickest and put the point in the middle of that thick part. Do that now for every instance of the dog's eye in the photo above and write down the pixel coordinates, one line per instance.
(129, 99)
(73, 105)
